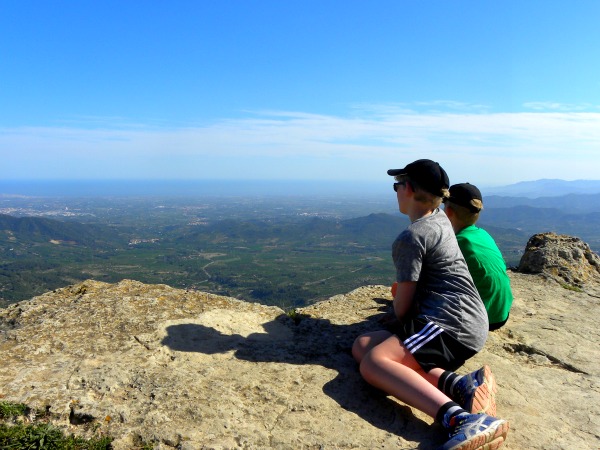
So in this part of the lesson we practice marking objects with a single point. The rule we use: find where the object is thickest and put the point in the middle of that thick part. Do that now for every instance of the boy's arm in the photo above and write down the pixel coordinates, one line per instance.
(403, 299)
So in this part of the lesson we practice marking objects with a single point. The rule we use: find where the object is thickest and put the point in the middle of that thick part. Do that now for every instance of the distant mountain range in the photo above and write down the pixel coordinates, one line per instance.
(545, 188)
(569, 203)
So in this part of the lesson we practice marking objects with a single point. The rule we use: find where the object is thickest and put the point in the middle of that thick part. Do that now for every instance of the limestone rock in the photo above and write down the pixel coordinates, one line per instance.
(565, 258)
(190, 370)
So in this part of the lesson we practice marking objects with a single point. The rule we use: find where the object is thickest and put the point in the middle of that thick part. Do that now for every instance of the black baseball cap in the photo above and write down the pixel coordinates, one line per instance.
(427, 173)
(467, 195)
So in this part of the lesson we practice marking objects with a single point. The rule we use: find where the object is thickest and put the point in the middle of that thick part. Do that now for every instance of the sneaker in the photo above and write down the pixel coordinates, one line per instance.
(476, 392)
(476, 432)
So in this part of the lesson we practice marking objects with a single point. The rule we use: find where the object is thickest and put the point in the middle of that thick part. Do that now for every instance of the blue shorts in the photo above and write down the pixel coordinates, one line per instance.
(431, 346)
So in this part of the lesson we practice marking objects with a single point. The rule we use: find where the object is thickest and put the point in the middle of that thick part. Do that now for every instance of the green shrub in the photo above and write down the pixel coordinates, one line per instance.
(11, 410)
(39, 436)
(46, 437)
(571, 288)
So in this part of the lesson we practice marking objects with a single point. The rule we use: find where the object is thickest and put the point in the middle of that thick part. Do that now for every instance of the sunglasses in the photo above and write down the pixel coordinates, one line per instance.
(400, 183)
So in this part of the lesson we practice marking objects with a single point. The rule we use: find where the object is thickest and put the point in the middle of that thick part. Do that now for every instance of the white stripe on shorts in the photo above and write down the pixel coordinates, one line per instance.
(416, 341)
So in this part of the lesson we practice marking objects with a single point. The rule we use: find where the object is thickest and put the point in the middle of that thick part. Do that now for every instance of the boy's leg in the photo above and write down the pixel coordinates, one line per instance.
(392, 368)
(365, 342)
(475, 391)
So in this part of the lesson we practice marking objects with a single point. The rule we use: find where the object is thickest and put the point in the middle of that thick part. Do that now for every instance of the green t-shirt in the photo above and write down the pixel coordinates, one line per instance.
(488, 270)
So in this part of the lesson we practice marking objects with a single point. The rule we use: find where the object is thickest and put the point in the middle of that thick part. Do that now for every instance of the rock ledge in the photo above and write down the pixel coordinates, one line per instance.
(190, 370)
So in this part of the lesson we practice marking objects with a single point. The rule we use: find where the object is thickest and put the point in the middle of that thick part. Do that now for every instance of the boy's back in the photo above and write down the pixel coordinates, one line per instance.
(484, 259)
(488, 269)
(427, 252)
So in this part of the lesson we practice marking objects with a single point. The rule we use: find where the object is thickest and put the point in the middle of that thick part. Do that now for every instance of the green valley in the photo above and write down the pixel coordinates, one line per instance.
(286, 251)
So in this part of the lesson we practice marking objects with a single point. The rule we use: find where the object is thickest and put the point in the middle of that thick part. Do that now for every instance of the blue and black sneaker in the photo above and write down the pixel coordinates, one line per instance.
(476, 392)
(476, 432)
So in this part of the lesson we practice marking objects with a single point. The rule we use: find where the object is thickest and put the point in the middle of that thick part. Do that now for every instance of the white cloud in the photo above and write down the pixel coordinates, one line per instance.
(493, 148)
(557, 106)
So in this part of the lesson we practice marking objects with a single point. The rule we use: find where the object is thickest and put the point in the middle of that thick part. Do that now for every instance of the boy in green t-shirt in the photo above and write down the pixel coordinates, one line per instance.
(485, 262)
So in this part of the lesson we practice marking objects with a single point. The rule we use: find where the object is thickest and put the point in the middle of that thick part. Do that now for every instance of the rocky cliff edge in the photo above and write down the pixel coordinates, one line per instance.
(191, 370)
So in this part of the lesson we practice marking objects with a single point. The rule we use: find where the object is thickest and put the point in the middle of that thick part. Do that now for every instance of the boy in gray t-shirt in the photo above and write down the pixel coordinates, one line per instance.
(443, 321)
(427, 253)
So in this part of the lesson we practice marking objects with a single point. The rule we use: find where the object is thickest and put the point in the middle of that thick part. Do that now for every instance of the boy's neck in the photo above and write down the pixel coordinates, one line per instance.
(419, 210)
(457, 227)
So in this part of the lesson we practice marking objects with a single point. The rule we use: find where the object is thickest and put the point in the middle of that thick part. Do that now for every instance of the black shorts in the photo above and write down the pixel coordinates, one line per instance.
(431, 346)
(498, 325)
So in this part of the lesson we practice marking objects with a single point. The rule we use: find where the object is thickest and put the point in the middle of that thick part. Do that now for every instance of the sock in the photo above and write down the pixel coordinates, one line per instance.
(447, 382)
(447, 412)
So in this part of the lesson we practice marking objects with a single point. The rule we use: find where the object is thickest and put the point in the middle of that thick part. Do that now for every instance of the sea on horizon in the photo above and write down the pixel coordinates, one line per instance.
(190, 188)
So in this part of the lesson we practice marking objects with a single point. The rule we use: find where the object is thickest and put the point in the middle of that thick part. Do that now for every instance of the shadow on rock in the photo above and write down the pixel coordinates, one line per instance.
(303, 339)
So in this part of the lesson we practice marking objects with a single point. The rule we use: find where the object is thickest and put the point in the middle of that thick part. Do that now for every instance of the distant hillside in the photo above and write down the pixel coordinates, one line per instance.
(276, 261)
(375, 229)
(569, 203)
(530, 220)
(40, 254)
(285, 261)
(43, 230)
(546, 188)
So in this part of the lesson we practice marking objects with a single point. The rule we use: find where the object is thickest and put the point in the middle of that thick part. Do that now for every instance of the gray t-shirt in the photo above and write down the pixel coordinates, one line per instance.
(427, 252)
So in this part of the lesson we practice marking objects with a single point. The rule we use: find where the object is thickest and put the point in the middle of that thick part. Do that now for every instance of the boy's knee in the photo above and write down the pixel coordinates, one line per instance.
(367, 368)
(364, 343)
(358, 349)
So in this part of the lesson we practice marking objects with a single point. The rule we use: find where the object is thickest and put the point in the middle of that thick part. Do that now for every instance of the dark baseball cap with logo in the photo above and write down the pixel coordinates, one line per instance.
(427, 173)
(467, 195)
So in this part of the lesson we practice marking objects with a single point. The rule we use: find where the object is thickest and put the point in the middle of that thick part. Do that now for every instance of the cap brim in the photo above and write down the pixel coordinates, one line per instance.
(394, 172)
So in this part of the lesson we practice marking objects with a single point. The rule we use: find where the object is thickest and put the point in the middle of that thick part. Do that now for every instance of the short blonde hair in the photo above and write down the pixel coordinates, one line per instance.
(463, 214)
(421, 194)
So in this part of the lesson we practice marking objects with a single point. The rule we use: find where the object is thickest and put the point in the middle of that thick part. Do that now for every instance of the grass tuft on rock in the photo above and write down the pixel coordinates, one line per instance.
(45, 436)
(39, 436)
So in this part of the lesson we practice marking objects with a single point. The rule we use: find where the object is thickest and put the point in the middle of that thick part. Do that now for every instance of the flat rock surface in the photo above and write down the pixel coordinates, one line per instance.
(190, 370)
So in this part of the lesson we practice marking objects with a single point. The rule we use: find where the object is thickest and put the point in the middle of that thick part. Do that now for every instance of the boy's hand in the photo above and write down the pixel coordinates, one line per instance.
(388, 319)
(394, 289)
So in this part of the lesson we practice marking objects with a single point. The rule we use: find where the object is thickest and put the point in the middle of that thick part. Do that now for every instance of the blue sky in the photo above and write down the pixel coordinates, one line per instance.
(496, 91)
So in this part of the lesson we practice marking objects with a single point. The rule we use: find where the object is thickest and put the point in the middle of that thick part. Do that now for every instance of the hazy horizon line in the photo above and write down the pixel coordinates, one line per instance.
(216, 187)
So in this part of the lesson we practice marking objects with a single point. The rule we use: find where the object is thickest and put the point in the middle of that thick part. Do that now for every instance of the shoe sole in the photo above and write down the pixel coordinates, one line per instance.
(484, 398)
(490, 439)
